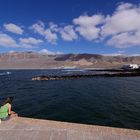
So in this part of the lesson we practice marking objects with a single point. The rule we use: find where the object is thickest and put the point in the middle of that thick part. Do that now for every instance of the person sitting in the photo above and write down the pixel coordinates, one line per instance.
(5, 110)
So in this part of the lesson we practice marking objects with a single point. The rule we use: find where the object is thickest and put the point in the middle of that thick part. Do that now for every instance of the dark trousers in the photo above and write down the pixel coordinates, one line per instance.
(5, 119)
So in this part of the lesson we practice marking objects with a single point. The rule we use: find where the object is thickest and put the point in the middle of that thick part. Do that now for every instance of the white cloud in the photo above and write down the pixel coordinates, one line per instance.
(86, 20)
(124, 6)
(68, 33)
(123, 26)
(114, 54)
(88, 26)
(124, 40)
(48, 33)
(53, 27)
(11, 51)
(38, 27)
(138, 54)
(30, 40)
(50, 36)
(121, 52)
(47, 52)
(26, 46)
(120, 29)
(118, 53)
(13, 28)
(7, 41)
(123, 20)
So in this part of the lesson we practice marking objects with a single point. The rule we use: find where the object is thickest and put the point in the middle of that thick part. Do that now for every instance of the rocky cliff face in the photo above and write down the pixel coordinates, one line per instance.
(33, 60)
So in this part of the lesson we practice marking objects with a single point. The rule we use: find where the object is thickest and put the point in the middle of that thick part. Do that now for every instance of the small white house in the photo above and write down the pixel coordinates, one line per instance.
(130, 66)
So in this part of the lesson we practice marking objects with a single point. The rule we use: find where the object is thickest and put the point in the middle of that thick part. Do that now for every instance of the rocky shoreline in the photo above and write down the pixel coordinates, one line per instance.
(66, 77)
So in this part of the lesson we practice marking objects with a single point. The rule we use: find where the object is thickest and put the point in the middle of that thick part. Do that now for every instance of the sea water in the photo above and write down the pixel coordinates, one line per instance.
(109, 101)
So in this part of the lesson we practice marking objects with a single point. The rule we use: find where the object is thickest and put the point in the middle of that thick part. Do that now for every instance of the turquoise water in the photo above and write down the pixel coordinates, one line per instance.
(109, 101)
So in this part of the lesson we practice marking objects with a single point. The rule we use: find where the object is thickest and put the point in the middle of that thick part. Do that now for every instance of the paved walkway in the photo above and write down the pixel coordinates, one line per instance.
(34, 129)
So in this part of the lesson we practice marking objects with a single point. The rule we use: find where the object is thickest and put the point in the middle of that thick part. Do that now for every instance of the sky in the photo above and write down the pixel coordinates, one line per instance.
(109, 27)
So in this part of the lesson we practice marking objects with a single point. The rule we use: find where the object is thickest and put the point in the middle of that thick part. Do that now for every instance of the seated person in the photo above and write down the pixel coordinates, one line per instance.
(5, 110)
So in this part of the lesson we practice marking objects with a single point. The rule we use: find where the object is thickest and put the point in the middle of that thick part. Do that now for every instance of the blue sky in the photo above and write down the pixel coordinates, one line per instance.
(78, 26)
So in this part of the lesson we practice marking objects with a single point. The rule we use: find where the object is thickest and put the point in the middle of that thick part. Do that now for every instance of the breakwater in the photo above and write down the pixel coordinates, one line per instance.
(66, 77)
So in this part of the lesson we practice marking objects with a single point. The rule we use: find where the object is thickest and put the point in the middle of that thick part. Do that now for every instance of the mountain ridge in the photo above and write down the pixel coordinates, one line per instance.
(35, 60)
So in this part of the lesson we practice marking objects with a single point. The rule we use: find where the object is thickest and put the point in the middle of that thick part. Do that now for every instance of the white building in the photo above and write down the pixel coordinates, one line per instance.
(130, 66)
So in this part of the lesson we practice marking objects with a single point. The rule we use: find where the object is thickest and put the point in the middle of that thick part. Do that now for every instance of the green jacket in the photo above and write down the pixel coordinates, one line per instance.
(4, 111)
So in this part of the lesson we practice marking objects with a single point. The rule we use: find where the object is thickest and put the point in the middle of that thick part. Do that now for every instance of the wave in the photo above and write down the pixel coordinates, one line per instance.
(5, 73)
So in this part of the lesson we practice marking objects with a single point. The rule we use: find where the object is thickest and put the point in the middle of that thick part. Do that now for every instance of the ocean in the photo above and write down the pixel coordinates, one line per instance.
(107, 101)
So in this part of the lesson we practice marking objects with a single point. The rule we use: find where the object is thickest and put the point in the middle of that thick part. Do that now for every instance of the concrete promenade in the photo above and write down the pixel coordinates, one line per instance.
(34, 129)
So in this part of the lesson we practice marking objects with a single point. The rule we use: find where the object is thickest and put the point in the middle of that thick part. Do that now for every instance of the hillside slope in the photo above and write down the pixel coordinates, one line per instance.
(33, 60)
